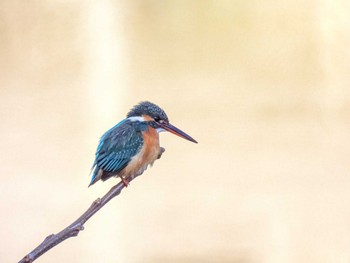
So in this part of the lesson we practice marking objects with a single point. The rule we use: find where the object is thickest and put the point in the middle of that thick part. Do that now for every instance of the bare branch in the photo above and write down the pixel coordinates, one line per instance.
(78, 225)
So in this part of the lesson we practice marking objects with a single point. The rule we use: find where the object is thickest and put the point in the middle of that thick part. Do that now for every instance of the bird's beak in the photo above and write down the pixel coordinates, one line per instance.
(170, 128)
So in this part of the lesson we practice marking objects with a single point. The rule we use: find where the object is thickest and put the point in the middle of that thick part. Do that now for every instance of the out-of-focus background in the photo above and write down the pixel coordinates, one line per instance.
(263, 87)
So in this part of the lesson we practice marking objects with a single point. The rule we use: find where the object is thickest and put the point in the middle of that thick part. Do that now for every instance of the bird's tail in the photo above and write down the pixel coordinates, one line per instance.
(96, 175)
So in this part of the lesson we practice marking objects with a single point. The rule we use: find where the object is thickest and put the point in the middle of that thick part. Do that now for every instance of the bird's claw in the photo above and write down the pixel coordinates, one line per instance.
(125, 182)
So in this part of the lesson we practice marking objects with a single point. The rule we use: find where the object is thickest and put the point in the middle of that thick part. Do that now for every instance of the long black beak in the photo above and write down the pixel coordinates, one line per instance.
(170, 128)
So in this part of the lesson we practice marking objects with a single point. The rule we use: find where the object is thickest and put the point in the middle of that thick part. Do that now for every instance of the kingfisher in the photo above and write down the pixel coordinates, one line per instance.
(129, 147)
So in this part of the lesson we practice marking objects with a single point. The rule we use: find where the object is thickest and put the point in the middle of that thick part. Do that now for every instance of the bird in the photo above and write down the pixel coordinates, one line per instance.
(129, 147)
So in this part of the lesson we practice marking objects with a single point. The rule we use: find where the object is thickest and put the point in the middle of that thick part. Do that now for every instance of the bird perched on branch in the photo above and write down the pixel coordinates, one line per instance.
(130, 146)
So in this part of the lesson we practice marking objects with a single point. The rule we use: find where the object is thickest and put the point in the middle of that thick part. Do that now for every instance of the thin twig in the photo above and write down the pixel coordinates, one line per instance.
(73, 229)
(78, 225)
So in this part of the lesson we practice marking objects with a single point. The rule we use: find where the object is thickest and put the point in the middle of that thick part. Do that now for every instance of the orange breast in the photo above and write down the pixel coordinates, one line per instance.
(148, 154)
(151, 145)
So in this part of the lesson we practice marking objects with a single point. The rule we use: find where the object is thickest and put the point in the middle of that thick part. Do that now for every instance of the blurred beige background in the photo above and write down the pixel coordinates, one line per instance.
(263, 87)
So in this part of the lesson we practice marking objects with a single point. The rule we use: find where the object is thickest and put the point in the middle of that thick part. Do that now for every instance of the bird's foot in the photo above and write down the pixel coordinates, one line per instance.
(125, 182)
(162, 150)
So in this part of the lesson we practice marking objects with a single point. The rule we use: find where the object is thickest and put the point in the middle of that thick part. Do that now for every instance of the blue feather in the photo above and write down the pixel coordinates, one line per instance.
(116, 148)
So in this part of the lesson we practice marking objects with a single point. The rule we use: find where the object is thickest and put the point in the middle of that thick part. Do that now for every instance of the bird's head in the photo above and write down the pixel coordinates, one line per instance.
(156, 116)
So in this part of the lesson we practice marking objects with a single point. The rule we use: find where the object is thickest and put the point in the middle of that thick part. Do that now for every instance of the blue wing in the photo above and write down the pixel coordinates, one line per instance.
(117, 146)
